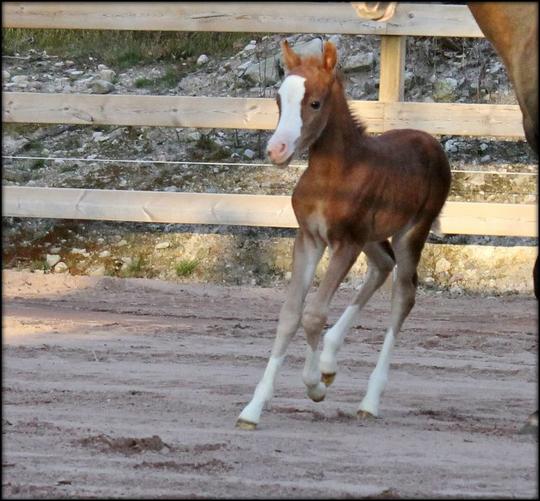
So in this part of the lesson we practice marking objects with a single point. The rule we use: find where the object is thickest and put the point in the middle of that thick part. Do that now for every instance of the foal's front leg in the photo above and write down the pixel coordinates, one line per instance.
(306, 255)
(314, 318)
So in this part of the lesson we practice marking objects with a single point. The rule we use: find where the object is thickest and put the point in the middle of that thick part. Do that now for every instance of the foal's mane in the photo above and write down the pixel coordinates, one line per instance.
(315, 60)
(359, 124)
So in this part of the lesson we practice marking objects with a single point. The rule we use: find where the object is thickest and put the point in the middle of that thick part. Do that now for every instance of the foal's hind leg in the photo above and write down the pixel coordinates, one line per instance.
(380, 264)
(407, 249)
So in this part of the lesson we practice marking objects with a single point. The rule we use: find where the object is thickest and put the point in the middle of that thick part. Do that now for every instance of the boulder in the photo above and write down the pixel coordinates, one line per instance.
(358, 62)
(99, 86)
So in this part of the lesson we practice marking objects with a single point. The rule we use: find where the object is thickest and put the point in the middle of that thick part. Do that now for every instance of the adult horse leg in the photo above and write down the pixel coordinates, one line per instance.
(380, 257)
(407, 247)
(344, 254)
(306, 255)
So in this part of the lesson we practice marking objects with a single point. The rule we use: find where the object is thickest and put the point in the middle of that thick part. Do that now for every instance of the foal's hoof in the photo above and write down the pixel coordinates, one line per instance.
(245, 425)
(328, 379)
(317, 393)
(365, 415)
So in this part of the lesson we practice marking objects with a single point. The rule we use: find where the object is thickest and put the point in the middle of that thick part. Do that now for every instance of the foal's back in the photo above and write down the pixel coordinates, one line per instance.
(380, 186)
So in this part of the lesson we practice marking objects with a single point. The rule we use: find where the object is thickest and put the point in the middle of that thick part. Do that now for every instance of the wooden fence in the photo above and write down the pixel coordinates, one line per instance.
(247, 113)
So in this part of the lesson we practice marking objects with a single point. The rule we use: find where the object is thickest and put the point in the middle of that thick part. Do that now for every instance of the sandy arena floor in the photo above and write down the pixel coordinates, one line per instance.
(131, 388)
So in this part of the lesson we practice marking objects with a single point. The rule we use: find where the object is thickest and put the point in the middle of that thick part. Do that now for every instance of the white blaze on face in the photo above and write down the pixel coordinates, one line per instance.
(287, 133)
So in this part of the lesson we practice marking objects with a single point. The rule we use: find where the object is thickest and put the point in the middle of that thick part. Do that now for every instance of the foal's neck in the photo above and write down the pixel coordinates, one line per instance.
(342, 129)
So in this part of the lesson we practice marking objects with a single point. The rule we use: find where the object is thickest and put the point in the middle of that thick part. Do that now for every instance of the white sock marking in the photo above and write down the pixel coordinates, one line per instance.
(312, 375)
(263, 392)
(379, 376)
(333, 339)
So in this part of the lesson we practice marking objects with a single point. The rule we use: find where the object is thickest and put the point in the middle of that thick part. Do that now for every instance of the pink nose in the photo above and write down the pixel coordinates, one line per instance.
(276, 151)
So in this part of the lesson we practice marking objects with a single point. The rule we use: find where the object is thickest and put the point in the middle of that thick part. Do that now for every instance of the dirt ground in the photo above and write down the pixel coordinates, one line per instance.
(131, 388)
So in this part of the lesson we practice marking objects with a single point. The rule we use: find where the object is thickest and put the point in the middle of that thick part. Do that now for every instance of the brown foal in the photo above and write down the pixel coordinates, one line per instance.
(356, 193)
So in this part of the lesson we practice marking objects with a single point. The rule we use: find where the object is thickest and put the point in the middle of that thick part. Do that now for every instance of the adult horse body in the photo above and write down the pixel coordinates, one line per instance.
(356, 192)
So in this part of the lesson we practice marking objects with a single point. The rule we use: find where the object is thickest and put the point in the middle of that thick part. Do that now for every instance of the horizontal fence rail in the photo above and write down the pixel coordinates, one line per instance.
(471, 218)
(264, 17)
(252, 113)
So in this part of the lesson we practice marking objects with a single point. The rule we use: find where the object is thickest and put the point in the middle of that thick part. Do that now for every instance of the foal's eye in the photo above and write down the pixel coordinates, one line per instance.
(315, 104)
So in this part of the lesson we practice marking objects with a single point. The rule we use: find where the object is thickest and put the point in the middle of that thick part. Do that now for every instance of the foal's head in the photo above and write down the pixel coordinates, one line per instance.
(303, 101)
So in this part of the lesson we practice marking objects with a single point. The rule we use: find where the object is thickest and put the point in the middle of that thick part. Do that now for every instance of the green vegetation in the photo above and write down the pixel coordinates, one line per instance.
(186, 267)
(206, 149)
(122, 49)
(135, 268)
(170, 79)
(144, 82)
(39, 264)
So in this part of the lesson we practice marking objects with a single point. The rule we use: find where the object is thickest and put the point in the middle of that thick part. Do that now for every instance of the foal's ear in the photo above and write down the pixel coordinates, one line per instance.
(329, 56)
(290, 58)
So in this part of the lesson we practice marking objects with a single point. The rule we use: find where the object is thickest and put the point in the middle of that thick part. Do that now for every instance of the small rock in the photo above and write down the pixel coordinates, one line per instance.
(98, 271)
(19, 79)
(107, 75)
(121, 243)
(99, 136)
(126, 263)
(101, 86)
(75, 250)
(265, 72)
(202, 59)
(484, 147)
(162, 245)
(104, 253)
(442, 265)
(249, 153)
(6, 75)
(102, 67)
(61, 267)
(450, 146)
(250, 46)
(53, 259)
(194, 136)
(484, 159)
(358, 62)
(55, 250)
(444, 90)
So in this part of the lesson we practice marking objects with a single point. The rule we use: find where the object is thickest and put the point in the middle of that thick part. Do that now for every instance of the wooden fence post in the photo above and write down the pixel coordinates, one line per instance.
(391, 82)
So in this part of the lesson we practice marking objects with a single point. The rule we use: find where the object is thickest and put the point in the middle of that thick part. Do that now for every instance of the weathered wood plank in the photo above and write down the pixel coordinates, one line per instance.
(274, 17)
(249, 210)
(391, 83)
(251, 113)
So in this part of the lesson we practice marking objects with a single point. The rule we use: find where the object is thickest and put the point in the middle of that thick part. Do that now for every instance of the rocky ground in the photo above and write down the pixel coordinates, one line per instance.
(445, 69)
